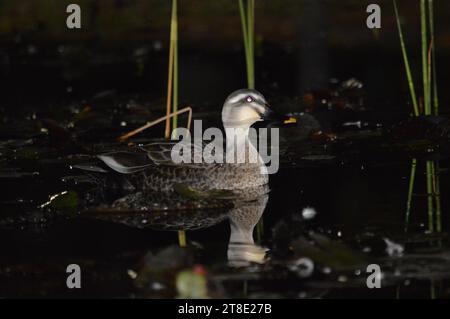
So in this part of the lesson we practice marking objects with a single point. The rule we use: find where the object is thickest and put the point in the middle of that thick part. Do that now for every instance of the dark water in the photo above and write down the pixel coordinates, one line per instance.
(334, 207)
(354, 189)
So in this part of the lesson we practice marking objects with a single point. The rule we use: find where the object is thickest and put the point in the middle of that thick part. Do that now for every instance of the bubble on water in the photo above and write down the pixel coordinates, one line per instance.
(157, 45)
(393, 249)
(309, 213)
(326, 270)
(304, 267)
(132, 273)
(31, 50)
(157, 286)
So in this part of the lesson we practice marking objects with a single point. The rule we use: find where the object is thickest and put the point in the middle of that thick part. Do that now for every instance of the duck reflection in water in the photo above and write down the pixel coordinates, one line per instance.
(242, 249)
(150, 210)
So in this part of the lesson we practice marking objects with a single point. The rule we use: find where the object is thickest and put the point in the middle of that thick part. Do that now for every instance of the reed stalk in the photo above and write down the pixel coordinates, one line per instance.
(432, 68)
(157, 121)
(182, 238)
(412, 90)
(171, 87)
(175, 65)
(425, 60)
(433, 57)
(412, 178)
(437, 195)
(430, 195)
(431, 106)
(247, 14)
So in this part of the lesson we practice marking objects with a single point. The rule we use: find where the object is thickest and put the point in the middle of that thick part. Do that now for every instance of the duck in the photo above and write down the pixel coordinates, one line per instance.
(151, 167)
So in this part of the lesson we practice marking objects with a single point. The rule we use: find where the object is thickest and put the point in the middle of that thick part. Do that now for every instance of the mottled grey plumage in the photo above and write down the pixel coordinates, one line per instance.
(151, 168)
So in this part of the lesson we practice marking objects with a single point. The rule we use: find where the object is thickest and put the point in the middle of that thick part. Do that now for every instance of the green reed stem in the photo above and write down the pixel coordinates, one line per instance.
(412, 178)
(251, 39)
(429, 84)
(433, 56)
(424, 42)
(435, 165)
(182, 238)
(430, 195)
(437, 195)
(248, 21)
(244, 24)
(412, 89)
(172, 91)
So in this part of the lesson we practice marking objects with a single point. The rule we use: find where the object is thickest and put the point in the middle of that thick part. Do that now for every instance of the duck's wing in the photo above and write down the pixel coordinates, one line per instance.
(161, 153)
(126, 162)
(157, 154)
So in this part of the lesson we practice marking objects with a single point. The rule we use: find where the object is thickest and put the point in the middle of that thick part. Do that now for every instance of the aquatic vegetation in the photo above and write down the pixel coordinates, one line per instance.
(247, 13)
(159, 120)
(412, 89)
(430, 107)
(172, 95)
(172, 83)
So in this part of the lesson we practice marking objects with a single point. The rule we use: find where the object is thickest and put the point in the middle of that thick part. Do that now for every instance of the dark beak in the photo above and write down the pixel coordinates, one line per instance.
(272, 117)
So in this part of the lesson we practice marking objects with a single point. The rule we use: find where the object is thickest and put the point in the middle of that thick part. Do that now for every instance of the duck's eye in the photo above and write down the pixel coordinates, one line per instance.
(249, 99)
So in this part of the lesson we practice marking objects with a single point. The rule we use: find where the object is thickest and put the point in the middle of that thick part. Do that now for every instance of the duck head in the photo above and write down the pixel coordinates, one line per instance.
(244, 107)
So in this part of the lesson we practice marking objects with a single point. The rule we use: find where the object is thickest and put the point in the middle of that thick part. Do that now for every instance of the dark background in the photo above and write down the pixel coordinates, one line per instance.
(123, 46)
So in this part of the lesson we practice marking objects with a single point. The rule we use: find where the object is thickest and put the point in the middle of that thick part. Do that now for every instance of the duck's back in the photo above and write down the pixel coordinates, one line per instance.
(203, 177)
(152, 168)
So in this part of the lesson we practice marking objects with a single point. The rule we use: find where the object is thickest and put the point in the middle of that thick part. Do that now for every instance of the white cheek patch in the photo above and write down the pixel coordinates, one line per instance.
(248, 113)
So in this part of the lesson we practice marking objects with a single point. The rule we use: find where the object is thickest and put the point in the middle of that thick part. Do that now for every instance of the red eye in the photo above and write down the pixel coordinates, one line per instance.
(249, 99)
